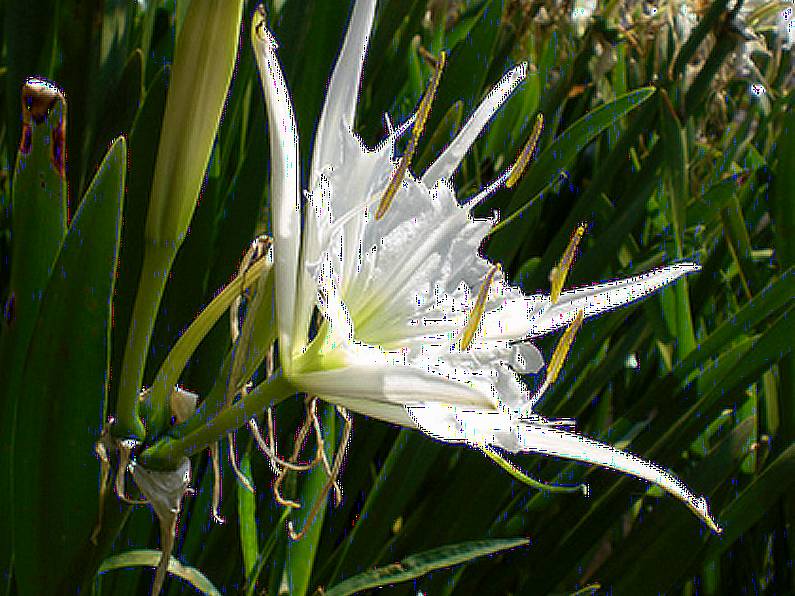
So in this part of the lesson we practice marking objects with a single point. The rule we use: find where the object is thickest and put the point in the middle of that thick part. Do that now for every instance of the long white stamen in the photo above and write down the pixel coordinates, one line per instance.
(556, 362)
(405, 127)
(476, 314)
(527, 152)
(558, 275)
(519, 475)
(485, 193)
(424, 110)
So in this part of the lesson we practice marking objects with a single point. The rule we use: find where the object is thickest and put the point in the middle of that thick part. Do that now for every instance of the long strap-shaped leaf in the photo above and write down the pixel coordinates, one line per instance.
(38, 227)
(422, 563)
(63, 388)
(150, 558)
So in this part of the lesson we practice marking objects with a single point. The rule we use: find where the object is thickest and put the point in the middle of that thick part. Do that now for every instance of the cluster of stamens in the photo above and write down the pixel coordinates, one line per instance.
(557, 279)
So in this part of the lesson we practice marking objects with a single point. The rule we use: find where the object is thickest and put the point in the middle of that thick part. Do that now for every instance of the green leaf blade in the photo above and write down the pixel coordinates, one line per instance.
(38, 227)
(417, 565)
(558, 156)
(63, 390)
(150, 558)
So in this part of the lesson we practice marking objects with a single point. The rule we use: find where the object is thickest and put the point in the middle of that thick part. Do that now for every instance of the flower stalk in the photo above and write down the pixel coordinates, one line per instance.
(203, 64)
(167, 453)
(154, 274)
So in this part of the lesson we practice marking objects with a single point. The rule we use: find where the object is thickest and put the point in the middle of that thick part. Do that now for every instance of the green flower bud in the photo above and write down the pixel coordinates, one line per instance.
(204, 59)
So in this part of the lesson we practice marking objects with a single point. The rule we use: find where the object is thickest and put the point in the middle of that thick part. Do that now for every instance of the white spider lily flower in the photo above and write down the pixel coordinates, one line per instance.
(418, 329)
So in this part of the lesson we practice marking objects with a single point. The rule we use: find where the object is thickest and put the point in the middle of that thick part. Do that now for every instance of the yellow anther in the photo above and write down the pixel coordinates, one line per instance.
(562, 349)
(558, 275)
(527, 152)
(476, 314)
(419, 124)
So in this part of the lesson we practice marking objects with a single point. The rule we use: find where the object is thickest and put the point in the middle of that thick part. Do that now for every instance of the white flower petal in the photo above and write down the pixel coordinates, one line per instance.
(285, 207)
(391, 383)
(387, 412)
(511, 320)
(343, 89)
(333, 309)
(513, 393)
(480, 428)
(482, 360)
(449, 160)
(438, 421)
(413, 260)
(542, 317)
(460, 424)
(559, 443)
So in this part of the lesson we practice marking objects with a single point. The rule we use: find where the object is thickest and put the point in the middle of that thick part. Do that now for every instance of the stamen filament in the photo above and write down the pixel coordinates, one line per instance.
(321, 451)
(558, 275)
(125, 448)
(476, 314)
(299, 441)
(519, 475)
(486, 192)
(527, 152)
(419, 124)
(104, 482)
(553, 370)
(270, 452)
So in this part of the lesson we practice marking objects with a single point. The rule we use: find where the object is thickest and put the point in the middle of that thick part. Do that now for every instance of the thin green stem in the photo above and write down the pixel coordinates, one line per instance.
(186, 345)
(154, 274)
(167, 452)
(525, 479)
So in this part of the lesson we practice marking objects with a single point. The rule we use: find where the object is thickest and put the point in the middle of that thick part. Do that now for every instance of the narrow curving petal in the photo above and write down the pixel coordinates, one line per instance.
(386, 412)
(343, 89)
(438, 421)
(541, 316)
(548, 440)
(449, 160)
(285, 205)
(391, 383)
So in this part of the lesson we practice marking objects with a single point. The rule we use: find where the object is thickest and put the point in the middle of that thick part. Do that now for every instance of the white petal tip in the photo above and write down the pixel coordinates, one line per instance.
(261, 27)
(519, 71)
(701, 508)
(690, 266)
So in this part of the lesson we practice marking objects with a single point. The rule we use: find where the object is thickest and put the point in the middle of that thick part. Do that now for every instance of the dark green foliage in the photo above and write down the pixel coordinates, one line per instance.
(667, 155)
(62, 389)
